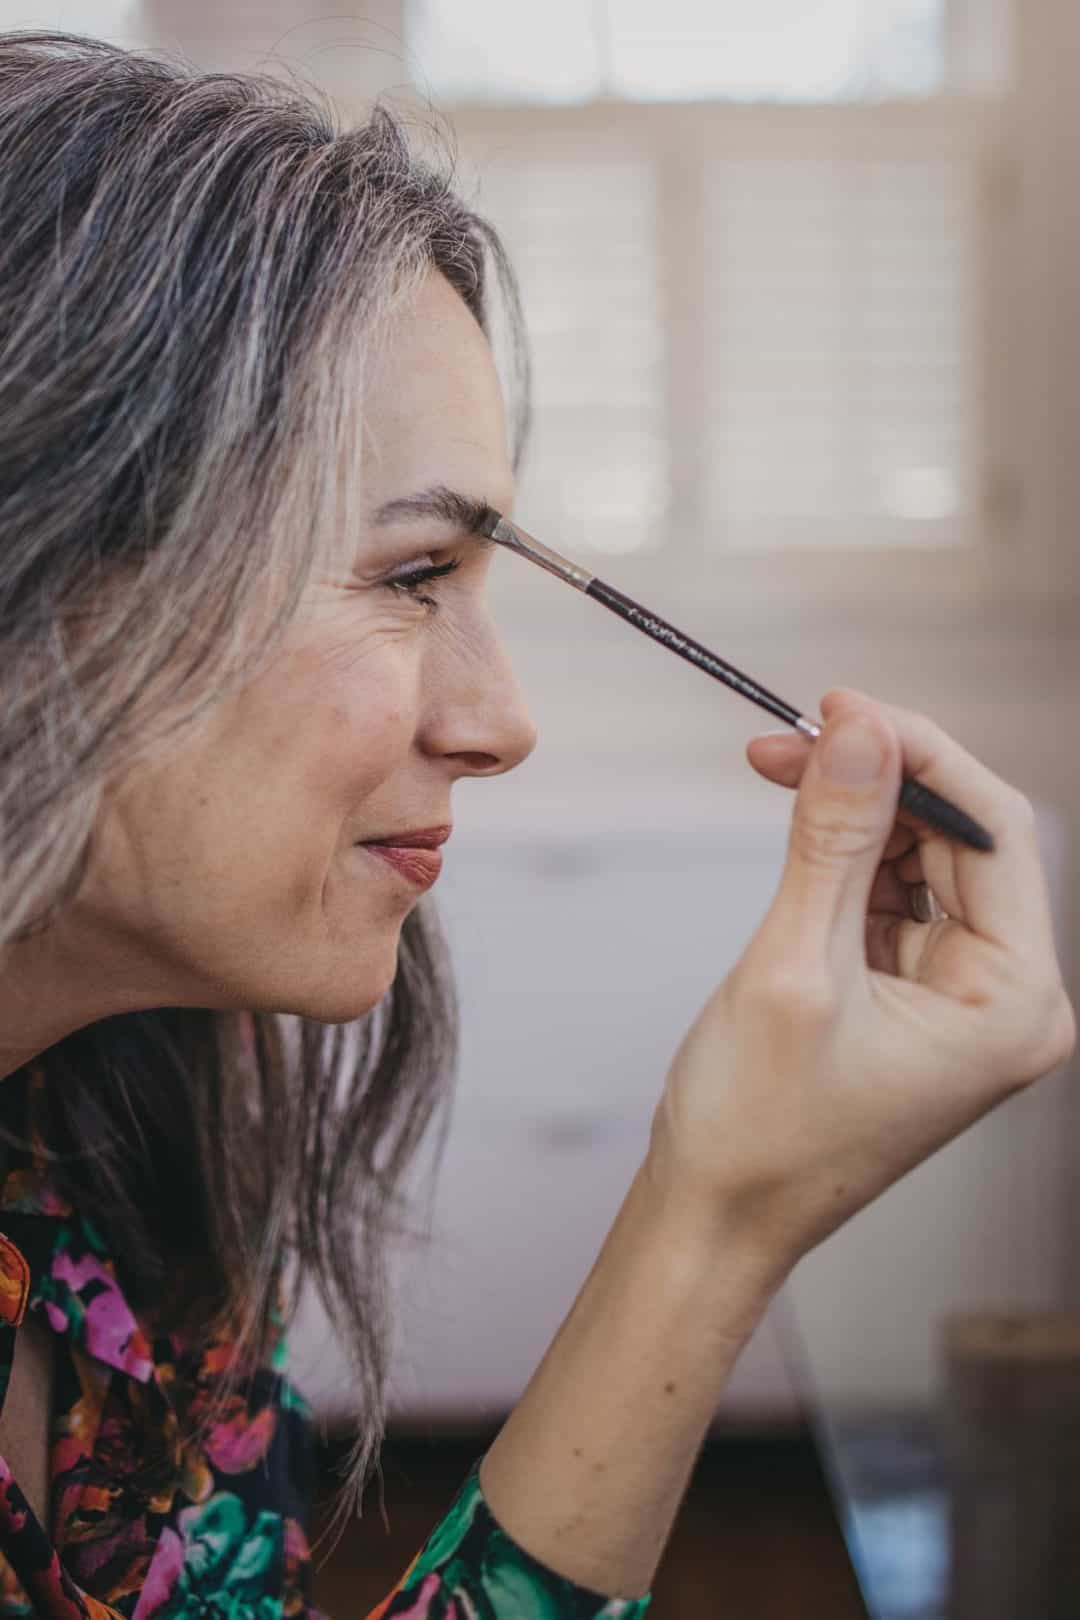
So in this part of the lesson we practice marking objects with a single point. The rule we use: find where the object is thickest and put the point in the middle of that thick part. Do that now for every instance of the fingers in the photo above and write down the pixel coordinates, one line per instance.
(889, 895)
(1001, 896)
(783, 759)
(910, 867)
(900, 946)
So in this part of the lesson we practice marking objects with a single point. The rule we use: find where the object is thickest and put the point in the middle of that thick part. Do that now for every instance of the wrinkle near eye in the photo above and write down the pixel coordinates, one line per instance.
(358, 650)
(463, 632)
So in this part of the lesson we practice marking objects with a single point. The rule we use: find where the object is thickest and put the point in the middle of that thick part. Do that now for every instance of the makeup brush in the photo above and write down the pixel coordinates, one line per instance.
(920, 801)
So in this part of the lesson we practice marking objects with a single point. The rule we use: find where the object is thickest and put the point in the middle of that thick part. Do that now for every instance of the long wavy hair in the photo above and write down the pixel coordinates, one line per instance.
(189, 263)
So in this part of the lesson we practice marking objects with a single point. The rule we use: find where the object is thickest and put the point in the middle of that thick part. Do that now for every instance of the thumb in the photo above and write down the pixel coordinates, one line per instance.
(843, 816)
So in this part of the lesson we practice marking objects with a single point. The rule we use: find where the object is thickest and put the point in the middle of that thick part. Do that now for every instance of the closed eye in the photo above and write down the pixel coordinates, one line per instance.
(410, 583)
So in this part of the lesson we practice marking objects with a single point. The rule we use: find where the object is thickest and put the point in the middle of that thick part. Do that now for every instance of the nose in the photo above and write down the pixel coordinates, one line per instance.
(477, 715)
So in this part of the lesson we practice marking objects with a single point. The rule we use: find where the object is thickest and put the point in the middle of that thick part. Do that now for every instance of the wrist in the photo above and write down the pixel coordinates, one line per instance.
(707, 1238)
(588, 1471)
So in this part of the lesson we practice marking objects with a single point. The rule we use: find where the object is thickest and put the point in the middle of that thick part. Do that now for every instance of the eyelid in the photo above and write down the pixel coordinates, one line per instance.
(412, 565)
(409, 584)
(462, 548)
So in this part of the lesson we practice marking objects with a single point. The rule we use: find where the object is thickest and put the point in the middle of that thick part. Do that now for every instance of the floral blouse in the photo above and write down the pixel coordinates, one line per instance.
(142, 1522)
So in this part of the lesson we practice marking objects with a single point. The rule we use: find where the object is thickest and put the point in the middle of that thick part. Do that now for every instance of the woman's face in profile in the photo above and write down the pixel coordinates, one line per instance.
(227, 873)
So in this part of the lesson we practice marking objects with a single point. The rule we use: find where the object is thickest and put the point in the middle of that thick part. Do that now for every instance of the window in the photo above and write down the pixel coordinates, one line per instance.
(583, 228)
(762, 309)
(841, 393)
(579, 50)
(104, 19)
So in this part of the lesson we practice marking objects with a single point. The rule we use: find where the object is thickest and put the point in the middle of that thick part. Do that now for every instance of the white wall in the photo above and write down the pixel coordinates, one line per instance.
(1048, 33)
(588, 928)
(353, 52)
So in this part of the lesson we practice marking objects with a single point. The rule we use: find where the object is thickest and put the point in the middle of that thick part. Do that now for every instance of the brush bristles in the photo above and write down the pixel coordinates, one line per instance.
(489, 522)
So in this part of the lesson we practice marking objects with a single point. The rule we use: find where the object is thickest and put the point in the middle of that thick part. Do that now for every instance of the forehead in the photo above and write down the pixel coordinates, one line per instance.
(433, 407)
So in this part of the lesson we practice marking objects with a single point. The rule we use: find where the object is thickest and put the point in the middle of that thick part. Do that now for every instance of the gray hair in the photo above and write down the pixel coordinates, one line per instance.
(185, 258)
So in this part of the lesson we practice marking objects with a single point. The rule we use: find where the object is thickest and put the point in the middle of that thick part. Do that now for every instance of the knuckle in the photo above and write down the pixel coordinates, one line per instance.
(1022, 809)
(1049, 1029)
(796, 994)
(822, 840)
(1058, 1027)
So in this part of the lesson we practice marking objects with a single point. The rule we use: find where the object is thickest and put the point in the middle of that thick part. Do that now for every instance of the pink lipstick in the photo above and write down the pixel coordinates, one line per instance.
(414, 854)
(420, 866)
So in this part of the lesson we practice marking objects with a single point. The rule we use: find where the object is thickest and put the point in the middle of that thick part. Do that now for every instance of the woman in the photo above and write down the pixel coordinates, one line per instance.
(248, 412)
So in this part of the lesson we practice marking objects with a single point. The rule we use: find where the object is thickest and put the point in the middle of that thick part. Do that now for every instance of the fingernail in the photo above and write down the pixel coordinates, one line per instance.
(853, 754)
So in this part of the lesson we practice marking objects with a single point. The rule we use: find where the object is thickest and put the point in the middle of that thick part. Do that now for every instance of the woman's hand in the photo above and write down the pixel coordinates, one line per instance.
(850, 1042)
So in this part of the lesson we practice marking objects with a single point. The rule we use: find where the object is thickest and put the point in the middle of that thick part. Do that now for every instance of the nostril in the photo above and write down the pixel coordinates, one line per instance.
(482, 762)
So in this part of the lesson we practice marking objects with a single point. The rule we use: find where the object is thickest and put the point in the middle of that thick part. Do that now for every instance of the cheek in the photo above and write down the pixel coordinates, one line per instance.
(357, 734)
(250, 821)
(287, 770)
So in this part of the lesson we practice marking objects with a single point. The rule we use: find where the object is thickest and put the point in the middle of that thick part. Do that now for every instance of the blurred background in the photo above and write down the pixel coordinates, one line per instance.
(803, 283)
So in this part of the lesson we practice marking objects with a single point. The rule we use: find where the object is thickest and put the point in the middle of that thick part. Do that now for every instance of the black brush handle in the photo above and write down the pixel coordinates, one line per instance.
(917, 799)
(941, 813)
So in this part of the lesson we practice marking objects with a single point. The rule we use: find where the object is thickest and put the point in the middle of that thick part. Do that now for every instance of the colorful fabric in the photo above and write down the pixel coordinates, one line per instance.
(146, 1523)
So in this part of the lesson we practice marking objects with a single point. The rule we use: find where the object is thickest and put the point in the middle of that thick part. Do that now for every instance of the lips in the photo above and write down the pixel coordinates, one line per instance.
(427, 838)
(420, 866)
(415, 855)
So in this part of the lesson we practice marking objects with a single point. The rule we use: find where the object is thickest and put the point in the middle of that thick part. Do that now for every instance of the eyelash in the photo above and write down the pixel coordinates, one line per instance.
(409, 582)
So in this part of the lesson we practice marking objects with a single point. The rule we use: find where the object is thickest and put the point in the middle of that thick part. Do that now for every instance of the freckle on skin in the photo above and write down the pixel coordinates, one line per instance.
(669, 1388)
(840, 1191)
(598, 1467)
(577, 1451)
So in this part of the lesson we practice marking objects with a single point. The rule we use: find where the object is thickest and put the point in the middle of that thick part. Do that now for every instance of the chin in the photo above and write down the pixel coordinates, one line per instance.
(341, 1005)
(345, 996)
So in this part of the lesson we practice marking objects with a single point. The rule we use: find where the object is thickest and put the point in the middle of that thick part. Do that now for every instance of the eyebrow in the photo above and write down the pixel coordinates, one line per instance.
(465, 512)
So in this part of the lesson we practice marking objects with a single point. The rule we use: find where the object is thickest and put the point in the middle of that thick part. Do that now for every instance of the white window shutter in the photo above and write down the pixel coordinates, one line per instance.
(755, 330)
(582, 232)
(842, 349)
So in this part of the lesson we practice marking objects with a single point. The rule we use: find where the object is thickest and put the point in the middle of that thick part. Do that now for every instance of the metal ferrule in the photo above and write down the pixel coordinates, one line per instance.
(808, 727)
(509, 535)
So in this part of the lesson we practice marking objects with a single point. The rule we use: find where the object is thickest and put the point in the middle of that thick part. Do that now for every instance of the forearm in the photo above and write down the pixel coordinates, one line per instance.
(589, 1470)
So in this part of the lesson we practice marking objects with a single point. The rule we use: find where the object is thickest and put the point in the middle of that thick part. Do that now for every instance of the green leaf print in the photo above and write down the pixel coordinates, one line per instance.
(509, 1581)
(226, 1563)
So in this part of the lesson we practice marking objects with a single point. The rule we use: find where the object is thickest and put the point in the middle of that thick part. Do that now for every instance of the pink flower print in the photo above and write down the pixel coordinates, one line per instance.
(112, 1333)
(296, 1542)
(241, 1441)
(12, 1516)
(162, 1575)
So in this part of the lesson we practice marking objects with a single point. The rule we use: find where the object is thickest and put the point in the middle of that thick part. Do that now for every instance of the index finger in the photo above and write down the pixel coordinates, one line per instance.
(1003, 895)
